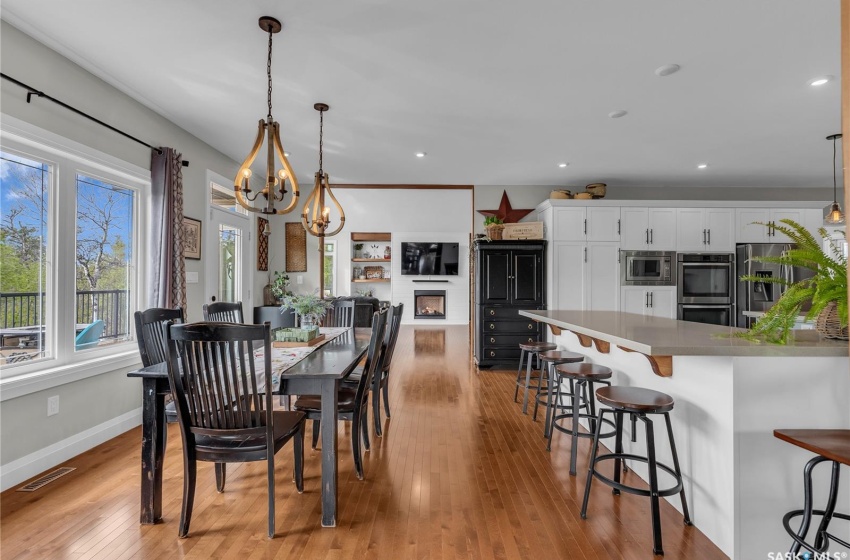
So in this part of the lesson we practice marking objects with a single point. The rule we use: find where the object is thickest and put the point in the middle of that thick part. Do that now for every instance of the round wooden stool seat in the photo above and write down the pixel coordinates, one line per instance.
(561, 357)
(538, 346)
(585, 371)
(635, 399)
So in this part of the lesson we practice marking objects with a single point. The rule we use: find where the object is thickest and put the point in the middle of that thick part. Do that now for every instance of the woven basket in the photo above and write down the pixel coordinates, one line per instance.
(828, 323)
(598, 190)
(494, 231)
(560, 194)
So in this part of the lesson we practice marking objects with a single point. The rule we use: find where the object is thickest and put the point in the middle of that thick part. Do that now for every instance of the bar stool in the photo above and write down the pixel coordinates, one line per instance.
(528, 351)
(581, 377)
(550, 359)
(639, 403)
(828, 445)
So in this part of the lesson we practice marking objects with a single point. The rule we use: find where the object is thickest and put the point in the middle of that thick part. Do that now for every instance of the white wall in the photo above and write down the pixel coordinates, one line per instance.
(94, 409)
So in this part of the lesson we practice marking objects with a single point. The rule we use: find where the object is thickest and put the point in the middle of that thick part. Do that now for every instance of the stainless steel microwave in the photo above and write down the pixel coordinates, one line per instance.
(647, 268)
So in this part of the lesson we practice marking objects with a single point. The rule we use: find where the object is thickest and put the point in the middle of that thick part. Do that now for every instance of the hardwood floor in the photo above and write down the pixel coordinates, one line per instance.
(459, 473)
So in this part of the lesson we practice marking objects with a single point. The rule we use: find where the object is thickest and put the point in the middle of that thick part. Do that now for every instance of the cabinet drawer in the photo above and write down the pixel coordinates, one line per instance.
(508, 339)
(503, 314)
(509, 327)
(496, 353)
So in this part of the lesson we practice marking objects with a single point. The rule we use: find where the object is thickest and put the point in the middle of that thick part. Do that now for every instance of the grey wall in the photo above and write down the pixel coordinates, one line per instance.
(24, 426)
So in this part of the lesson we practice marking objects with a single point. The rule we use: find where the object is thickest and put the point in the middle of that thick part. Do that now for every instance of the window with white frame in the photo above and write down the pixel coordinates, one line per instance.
(330, 269)
(70, 241)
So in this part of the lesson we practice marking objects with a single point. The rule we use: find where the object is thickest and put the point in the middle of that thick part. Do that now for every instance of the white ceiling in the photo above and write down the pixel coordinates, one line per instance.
(495, 91)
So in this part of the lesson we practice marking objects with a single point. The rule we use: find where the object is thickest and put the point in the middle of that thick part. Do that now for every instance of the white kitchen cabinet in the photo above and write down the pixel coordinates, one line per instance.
(587, 224)
(654, 301)
(587, 275)
(705, 229)
(651, 229)
(602, 276)
(749, 232)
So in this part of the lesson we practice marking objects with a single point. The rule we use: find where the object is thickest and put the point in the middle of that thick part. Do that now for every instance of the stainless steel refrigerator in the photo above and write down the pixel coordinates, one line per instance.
(760, 296)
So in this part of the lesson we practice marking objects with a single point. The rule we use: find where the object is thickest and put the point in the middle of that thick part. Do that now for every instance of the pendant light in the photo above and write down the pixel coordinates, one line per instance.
(316, 215)
(833, 215)
(274, 184)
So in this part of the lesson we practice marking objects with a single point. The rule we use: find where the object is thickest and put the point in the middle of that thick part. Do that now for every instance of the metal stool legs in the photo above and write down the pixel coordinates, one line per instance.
(822, 538)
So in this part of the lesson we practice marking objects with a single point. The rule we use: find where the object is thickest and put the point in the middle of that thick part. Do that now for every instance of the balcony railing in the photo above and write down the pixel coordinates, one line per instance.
(22, 309)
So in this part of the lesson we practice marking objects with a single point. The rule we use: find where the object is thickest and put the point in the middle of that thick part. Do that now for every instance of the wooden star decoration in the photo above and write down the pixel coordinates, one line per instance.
(505, 212)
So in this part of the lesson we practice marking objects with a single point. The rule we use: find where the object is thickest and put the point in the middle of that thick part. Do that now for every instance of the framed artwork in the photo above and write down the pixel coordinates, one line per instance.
(296, 247)
(262, 245)
(192, 234)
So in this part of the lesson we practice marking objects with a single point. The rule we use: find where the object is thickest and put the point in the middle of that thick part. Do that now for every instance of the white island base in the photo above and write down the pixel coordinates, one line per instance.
(739, 479)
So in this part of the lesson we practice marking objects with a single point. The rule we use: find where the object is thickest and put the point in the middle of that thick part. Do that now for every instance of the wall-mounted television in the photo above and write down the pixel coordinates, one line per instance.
(429, 259)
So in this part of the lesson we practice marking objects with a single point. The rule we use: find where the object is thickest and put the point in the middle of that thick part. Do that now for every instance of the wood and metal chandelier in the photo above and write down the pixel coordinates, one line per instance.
(274, 186)
(316, 217)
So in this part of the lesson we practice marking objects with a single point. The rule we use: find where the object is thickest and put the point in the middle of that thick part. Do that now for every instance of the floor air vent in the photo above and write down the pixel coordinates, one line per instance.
(46, 479)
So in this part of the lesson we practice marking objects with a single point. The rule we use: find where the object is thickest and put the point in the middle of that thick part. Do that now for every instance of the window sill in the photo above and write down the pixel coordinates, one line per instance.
(42, 380)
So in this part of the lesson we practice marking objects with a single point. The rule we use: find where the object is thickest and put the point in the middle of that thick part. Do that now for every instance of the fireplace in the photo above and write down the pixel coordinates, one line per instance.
(429, 304)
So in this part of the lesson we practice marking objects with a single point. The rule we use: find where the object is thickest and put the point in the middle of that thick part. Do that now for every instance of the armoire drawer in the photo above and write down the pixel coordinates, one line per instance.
(509, 327)
(502, 314)
(496, 353)
(508, 339)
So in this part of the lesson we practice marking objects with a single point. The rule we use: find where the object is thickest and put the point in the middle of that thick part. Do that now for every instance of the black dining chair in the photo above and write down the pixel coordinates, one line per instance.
(380, 383)
(224, 311)
(153, 348)
(353, 404)
(340, 315)
(223, 417)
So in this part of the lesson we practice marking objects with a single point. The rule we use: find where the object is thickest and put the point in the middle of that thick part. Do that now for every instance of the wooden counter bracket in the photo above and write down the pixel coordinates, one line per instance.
(555, 330)
(601, 345)
(583, 339)
(661, 365)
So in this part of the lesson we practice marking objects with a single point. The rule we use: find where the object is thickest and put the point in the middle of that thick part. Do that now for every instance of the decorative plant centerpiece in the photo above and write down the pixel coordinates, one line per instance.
(358, 250)
(278, 286)
(310, 307)
(494, 227)
(827, 289)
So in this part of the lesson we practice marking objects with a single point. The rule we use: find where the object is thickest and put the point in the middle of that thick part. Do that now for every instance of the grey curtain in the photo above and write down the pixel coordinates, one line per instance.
(167, 276)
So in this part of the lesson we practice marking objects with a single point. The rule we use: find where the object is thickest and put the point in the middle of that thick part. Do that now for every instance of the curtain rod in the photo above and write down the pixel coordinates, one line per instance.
(32, 91)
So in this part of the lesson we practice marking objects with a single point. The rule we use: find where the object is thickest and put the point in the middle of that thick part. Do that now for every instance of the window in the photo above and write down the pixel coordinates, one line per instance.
(223, 198)
(330, 268)
(70, 246)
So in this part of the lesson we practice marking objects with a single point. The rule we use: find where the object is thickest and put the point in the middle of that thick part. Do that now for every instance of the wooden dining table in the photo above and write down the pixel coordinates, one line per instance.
(319, 373)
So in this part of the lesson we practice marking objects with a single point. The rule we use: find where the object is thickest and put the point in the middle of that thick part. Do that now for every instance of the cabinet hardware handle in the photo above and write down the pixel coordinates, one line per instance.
(618, 227)
(492, 312)
(530, 326)
(709, 237)
(492, 326)
(703, 237)
(492, 340)
(651, 236)
(530, 339)
(585, 254)
(647, 236)
(492, 354)
(585, 226)
(651, 297)
(646, 299)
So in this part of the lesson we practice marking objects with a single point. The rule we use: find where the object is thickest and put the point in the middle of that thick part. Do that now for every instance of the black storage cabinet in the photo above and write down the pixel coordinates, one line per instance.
(509, 277)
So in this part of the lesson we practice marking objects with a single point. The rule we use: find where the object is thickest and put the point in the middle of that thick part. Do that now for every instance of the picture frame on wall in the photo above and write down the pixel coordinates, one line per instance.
(192, 237)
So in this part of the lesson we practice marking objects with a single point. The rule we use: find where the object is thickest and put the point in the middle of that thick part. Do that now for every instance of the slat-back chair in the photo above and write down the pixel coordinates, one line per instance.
(222, 415)
(353, 405)
(224, 312)
(340, 315)
(150, 336)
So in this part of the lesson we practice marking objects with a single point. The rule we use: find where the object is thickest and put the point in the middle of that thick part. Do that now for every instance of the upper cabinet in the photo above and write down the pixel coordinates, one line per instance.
(750, 232)
(705, 230)
(587, 224)
(648, 229)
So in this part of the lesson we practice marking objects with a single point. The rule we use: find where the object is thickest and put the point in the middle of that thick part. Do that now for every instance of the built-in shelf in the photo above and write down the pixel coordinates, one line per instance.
(370, 280)
(371, 260)
(441, 281)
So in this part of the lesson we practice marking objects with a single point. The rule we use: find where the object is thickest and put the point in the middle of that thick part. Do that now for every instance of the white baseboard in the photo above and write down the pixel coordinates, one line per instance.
(19, 470)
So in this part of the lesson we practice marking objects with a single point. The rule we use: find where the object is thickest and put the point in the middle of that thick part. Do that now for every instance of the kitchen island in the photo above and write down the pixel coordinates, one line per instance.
(730, 395)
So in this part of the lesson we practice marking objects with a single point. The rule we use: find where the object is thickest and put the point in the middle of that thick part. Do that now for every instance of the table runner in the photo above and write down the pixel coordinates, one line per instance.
(285, 358)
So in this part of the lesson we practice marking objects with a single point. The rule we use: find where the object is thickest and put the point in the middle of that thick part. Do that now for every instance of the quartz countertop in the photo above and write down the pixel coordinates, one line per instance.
(659, 336)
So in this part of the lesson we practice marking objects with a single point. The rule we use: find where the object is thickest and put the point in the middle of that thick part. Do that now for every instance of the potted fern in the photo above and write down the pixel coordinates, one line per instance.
(494, 227)
(310, 307)
(826, 290)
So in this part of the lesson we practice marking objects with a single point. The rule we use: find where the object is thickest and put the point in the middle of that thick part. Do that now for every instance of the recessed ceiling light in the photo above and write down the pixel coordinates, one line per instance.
(667, 69)
(617, 114)
(819, 81)
(421, 154)
(702, 166)
(563, 164)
